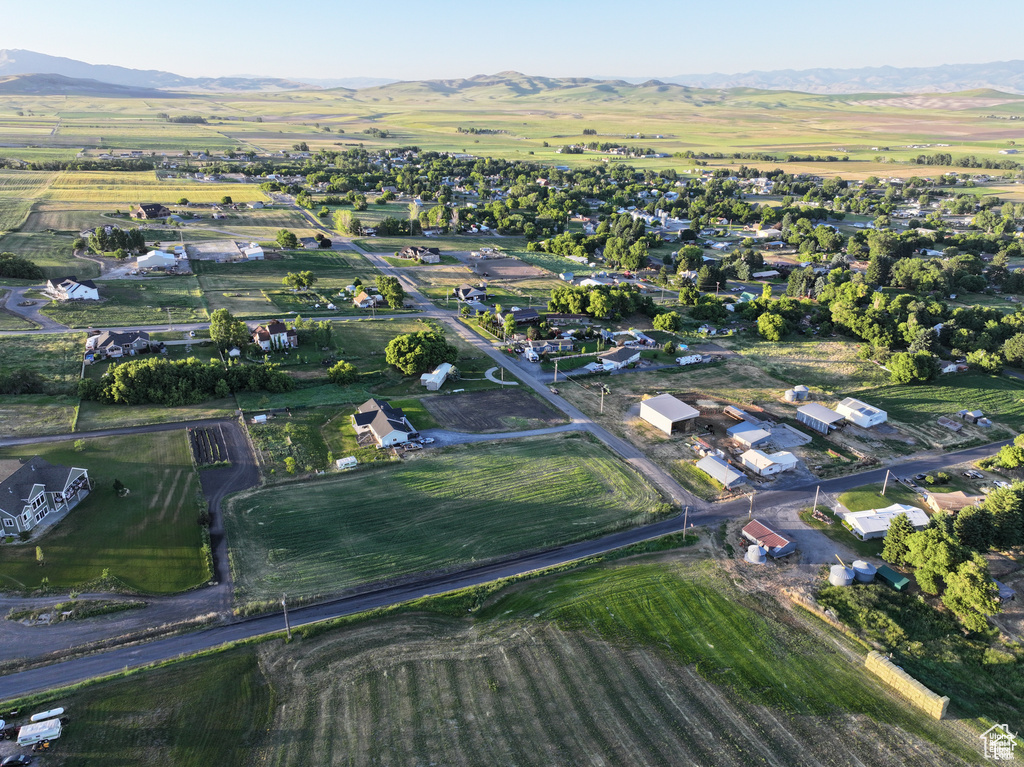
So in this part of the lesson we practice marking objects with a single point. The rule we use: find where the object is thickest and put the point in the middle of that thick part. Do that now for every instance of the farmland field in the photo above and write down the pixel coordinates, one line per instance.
(57, 357)
(25, 415)
(648, 663)
(94, 415)
(122, 188)
(438, 509)
(148, 539)
(18, 189)
(135, 302)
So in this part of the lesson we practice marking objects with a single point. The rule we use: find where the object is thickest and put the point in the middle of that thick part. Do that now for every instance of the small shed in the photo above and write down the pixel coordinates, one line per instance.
(434, 381)
(887, 575)
(777, 545)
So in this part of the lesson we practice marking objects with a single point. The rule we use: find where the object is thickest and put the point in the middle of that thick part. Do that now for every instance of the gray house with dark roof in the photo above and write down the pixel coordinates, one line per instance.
(377, 421)
(113, 343)
(32, 489)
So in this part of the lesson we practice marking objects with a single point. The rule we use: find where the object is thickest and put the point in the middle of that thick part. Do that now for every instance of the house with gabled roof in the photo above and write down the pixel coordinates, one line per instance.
(275, 335)
(150, 210)
(32, 489)
(466, 292)
(376, 421)
(72, 289)
(114, 344)
(616, 359)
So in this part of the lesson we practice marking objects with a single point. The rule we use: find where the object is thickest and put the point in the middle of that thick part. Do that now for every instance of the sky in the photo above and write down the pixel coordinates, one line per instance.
(407, 40)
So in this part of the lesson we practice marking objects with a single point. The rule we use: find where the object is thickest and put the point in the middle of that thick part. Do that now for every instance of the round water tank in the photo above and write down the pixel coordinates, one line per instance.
(863, 571)
(840, 575)
(802, 392)
(790, 395)
(756, 554)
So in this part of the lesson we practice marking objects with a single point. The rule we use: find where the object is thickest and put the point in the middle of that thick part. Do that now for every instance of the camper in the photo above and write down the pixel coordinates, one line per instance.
(347, 463)
(262, 418)
(37, 732)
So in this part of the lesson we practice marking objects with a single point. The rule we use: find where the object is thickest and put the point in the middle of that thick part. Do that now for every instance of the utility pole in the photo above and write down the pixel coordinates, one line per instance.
(686, 516)
(750, 514)
(287, 626)
(885, 484)
(816, 491)
(555, 379)
(604, 389)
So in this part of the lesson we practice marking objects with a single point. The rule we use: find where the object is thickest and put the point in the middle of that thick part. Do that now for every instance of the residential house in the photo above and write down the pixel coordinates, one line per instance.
(616, 359)
(115, 344)
(874, 523)
(948, 366)
(951, 503)
(860, 413)
(434, 381)
(366, 301)
(417, 253)
(551, 345)
(669, 414)
(275, 335)
(777, 545)
(150, 211)
(30, 490)
(376, 421)
(72, 289)
(819, 417)
(521, 316)
(720, 471)
(466, 292)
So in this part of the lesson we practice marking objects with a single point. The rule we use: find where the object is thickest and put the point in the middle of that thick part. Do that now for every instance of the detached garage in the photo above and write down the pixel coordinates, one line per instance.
(668, 413)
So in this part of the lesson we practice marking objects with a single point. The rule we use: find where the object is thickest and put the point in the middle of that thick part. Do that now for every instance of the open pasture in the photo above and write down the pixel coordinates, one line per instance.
(496, 410)
(439, 509)
(149, 539)
(135, 302)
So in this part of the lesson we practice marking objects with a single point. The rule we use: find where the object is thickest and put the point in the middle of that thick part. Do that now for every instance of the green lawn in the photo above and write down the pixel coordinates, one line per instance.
(57, 357)
(94, 415)
(149, 539)
(135, 302)
(870, 497)
(442, 508)
(840, 534)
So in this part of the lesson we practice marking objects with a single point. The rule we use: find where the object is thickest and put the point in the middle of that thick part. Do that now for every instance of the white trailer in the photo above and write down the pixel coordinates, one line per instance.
(347, 463)
(37, 732)
(53, 713)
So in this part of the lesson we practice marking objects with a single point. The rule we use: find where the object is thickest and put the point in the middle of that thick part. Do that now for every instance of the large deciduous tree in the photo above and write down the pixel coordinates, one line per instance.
(226, 331)
(414, 353)
(392, 290)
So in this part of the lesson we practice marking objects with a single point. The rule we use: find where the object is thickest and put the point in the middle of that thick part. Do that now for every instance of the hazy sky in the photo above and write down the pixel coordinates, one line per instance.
(455, 38)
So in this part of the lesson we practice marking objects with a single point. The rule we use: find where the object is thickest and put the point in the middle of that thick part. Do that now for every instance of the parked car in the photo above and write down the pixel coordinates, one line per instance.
(919, 477)
(17, 759)
(1000, 483)
(427, 441)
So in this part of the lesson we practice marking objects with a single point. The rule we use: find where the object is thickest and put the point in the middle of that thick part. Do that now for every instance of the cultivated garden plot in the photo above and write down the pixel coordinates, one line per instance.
(208, 445)
(509, 409)
(440, 509)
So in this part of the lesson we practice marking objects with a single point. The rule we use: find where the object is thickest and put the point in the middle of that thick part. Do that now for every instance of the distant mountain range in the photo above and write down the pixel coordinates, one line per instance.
(17, 62)
(1006, 76)
(48, 85)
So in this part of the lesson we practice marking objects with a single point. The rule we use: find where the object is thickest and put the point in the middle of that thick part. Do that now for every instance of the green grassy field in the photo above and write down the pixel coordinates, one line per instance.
(55, 356)
(18, 189)
(93, 415)
(148, 539)
(441, 508)
(27, 415)
(121, 188)
(644, 663)
(51, 252)
(135, 302)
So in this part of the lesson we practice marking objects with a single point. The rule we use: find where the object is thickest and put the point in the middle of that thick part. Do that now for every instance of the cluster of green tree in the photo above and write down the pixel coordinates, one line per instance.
(601, 301)
(136, 164)
(815, 158)
(226, 331)
(393, 227)
(689, 154)
(965, 161)
(415, 353)
(947, 554)
(187, 119)
(302, 146)
(118, 240)
(286, 239)
(391, 289)
(377, 132)
(1009, 456)
(19, 268)
(179, 382)
(300, 280)
(316, 332)
(346, 222)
